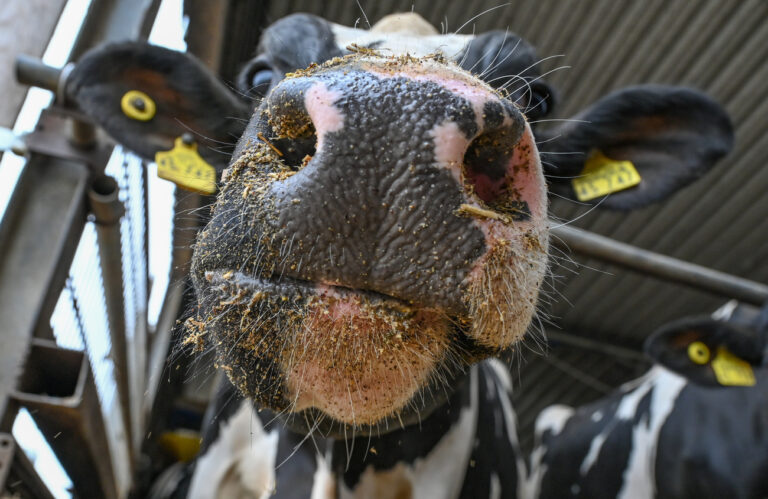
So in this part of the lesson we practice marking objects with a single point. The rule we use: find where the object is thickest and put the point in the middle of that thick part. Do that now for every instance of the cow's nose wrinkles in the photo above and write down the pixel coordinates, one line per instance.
(372, 205)
(392, 173)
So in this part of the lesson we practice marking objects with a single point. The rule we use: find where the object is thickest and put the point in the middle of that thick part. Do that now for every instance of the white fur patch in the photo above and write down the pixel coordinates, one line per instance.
(323, 481)
(400, 43)
(439, 474)
(235, 465)
(628, 406)
(725, 311)
(594, 451)
(502, 373)
(553, 418)
(640, 476)
(510, 419)
(495, 492)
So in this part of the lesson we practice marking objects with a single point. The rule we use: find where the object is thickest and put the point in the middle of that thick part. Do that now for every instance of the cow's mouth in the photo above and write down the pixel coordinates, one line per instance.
(292, 289)
(357, 356)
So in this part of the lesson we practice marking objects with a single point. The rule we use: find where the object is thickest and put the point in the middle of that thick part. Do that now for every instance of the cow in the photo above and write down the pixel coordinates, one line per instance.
(379, 236)
(695, 425)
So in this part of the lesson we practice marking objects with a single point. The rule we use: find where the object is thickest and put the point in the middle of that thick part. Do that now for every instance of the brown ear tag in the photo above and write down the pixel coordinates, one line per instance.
(731, 370)
(183, 166)
(602, 175)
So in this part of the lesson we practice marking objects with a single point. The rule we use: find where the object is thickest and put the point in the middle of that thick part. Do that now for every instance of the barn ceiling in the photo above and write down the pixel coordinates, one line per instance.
(718, 46)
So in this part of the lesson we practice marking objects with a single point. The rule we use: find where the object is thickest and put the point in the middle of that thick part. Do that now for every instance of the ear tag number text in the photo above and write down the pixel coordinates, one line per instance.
(731, 370)
(183, 166)
(602, 176)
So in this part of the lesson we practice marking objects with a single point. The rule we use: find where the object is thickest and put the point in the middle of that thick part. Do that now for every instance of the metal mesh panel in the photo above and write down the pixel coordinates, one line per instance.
(87, 301)
(80, 319)
(127, 170)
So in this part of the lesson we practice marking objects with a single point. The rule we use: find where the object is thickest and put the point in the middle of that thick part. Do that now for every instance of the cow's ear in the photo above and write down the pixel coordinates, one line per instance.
(256, 77)
(146, 96)
(706, 351)
(669, 136)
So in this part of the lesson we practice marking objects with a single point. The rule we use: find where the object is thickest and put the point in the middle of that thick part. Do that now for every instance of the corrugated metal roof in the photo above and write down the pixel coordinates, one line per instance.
(718, 46)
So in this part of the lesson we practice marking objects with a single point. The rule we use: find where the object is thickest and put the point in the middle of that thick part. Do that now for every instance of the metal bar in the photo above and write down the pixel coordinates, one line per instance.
(186, 223)
(660, 266)
(596, 346)
(66, 134)
(18, 476)
(206, 35)
(58, 389)
(35, 73)
(158, 356)
(108, 210)
(38, 238)
(115, 21)
(7, 450)
(141, 338)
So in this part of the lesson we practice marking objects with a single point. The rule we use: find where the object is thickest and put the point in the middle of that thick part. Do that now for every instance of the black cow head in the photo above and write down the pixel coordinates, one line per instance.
(713, 352)
(382, 222)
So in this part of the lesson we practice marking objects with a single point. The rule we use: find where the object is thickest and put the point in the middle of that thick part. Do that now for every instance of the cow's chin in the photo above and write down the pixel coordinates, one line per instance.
(361, 361)
(350, 356)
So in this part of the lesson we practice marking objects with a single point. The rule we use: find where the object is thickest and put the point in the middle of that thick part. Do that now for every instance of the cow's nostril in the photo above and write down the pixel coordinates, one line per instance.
(291, 128)
(297, 152)
(485, 165)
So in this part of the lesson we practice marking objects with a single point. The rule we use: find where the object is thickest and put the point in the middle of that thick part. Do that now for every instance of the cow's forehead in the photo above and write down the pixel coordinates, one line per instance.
(400, 43)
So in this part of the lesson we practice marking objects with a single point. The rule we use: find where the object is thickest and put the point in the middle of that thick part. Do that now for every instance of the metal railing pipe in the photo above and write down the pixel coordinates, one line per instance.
(660, 266)
(35, 73)
(107, 210)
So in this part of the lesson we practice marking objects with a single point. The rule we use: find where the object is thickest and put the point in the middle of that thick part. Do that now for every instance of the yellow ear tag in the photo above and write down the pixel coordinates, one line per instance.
(182, 444)
(602, 175)
(138, 106)
(183, 166)
(731, 370)
(698, 352)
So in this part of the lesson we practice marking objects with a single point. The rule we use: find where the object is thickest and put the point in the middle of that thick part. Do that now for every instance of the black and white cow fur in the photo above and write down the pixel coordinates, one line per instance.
(447, 455)
(447, 162)
(675, 432)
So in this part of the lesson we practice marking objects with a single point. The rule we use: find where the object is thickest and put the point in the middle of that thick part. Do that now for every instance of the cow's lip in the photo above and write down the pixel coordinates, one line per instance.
(295, 289)
(353, 384)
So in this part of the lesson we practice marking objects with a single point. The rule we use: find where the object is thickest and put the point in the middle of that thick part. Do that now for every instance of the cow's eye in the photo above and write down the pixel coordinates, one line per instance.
(260, 82)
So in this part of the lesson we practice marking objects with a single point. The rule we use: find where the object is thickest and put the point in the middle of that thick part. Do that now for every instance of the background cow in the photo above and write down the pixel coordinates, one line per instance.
(381, 228)
(696, 425)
